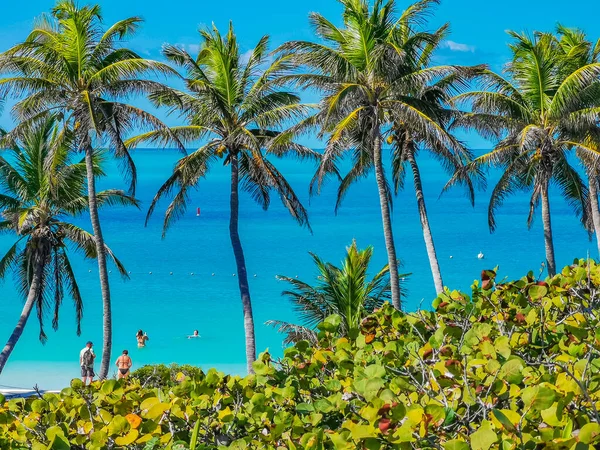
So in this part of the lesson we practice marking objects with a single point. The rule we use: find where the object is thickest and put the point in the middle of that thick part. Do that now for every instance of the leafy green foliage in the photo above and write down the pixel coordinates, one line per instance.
(161, 375)
(514, 365)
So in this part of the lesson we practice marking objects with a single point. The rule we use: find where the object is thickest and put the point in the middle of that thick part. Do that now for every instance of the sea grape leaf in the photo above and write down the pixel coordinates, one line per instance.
(566, 383)
(238, 444)
(590, 433)
(375, 371)
(456, 444)
(134, 420)
(484, 437)
(553, 415)
(108, 386)
(305, 408)
(340, 440)
(538, 397)
(369, 387)
(128, 439)
(99, 438)
(149, 403)
(507, 418)
(502, 345)
(331, 323)
(536, 292)
(323, 405)
(59, 442)
(359, 431)
(225, 415)
(118, 425)
(38, 405)
(156, 411)
(511, 370)
(437, 413)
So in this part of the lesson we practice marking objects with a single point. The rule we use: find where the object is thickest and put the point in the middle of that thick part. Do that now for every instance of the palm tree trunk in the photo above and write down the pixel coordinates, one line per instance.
(386, 219)
(27, 308)
(240, 262)
(548, 232)
(433, 261)
(101, 257)
(593, 187)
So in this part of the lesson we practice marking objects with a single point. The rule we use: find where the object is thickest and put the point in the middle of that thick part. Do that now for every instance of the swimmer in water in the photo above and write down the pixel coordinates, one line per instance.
(195, 335)
(141, 338)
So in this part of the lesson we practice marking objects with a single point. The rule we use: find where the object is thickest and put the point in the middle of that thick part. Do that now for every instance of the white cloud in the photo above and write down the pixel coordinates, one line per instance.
(458, 47)
(245, 57)
(192, 49)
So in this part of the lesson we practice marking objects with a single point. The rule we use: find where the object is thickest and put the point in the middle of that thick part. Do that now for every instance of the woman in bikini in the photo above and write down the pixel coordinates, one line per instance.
(141, 338)
(124, 364)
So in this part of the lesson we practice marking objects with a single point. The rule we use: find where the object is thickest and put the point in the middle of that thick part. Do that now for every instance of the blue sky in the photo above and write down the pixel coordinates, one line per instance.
(478, 27)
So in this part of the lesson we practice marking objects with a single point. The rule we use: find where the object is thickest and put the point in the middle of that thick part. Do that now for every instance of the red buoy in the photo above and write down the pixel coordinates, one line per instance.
(197, 212)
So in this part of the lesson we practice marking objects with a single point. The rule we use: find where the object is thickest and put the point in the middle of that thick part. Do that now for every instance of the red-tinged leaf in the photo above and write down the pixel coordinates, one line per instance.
(384, 425)
(450, 362)
(520, 318)
(384, 409)
(445, 351)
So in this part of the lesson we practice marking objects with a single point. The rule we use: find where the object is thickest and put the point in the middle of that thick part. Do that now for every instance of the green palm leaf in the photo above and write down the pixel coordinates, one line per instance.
(345, 290)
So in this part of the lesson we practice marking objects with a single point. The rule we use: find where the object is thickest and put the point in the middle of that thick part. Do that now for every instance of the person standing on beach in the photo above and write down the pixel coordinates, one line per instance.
(123, 363)
(86, 361)
(141, 338)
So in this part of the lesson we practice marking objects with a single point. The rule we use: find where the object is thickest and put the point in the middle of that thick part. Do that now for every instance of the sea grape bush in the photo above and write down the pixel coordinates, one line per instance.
(161, 375)
(513, 366)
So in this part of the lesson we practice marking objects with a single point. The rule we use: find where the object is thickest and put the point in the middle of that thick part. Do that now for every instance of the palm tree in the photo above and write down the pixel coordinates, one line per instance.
(238, 108)
(366, 71)
(41, 191)
(73, 65)
(537, 115)
(578, 52)
(346, 291)
(407, 140)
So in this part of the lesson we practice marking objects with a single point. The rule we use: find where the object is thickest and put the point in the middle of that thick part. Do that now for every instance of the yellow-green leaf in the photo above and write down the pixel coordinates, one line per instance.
(156, 411)
(484, 437)
(128, 439)
(538, 397)
(590, 433)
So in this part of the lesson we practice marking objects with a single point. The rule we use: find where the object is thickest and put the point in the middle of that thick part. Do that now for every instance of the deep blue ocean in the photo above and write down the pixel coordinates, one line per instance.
(169, 307)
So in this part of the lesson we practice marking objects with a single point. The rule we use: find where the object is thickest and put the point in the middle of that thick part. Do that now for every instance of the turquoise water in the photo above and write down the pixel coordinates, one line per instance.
(169, 307)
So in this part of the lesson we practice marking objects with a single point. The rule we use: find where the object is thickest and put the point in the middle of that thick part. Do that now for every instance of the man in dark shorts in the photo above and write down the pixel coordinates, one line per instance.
(124, 363)
(86, 361)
